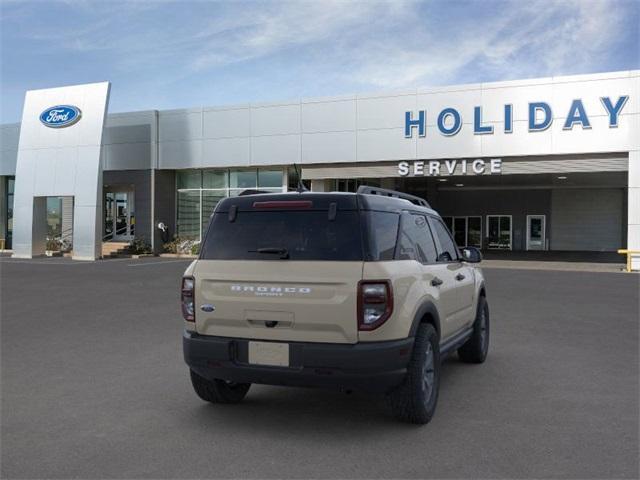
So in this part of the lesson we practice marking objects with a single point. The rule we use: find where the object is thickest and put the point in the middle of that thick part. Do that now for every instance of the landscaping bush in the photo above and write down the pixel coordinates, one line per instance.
(138, 246)
(53, 244)
(184, 246)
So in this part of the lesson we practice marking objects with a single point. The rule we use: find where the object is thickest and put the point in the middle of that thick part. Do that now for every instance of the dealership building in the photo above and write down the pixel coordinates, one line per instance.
(539, 164)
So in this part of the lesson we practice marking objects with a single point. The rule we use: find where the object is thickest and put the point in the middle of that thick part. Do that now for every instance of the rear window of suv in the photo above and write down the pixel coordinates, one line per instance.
(278, 234)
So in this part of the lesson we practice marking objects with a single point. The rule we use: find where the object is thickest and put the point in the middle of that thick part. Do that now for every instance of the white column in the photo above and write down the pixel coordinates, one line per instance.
(633, 218)
(320, 185)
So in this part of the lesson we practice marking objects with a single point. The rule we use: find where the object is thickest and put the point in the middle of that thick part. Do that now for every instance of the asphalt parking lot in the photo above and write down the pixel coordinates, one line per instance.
(94, 386)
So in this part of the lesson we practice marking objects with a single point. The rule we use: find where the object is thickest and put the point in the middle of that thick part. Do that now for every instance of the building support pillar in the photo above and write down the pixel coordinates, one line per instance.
(633, 208)
(321, 185)
(39, 227)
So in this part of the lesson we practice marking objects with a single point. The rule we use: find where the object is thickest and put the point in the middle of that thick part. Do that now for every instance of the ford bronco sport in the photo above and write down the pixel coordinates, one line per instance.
(356, 291)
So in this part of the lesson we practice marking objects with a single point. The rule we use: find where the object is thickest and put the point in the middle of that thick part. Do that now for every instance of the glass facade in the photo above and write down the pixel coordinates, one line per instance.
(467, 231)
(352, 184)
(11, 181)
(54, 216)
(199, 191)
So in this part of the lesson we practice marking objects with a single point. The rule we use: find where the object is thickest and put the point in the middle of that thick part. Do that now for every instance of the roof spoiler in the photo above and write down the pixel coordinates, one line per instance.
(252, 191)
(367, 190)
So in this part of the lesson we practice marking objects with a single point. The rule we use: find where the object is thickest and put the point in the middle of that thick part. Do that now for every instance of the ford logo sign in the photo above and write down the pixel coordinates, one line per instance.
(60, 116)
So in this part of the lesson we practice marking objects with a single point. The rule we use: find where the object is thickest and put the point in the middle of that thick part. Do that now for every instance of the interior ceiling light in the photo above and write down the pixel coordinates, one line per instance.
(443, 180)
(562, 177)
(459, 184)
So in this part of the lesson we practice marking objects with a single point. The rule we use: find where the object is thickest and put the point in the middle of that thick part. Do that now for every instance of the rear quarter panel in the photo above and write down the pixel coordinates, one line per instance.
(411, 290)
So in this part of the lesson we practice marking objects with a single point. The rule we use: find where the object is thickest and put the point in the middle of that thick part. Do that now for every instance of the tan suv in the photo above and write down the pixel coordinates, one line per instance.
(355, 291)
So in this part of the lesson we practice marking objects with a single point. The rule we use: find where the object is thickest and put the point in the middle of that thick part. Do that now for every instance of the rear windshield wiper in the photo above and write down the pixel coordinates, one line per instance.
(283, 252)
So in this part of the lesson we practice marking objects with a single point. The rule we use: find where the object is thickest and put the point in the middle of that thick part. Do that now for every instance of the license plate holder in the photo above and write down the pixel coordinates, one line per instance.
(271, 354)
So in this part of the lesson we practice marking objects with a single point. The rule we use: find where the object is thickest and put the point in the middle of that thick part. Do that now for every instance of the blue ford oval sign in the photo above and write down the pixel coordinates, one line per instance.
(60, 116)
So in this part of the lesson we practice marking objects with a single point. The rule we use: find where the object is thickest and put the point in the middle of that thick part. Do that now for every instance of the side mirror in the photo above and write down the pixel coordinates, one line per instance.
(471, 255)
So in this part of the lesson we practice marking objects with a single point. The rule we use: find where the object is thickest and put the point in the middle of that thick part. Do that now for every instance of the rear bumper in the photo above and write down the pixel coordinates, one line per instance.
(372, 367)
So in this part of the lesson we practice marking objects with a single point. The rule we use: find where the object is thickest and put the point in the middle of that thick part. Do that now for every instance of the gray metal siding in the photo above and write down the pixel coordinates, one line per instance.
(587, 219)
(130, 141)
(9, 135)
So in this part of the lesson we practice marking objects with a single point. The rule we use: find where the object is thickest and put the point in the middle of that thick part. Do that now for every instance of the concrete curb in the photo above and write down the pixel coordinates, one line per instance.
(555, 266)
(177, 255)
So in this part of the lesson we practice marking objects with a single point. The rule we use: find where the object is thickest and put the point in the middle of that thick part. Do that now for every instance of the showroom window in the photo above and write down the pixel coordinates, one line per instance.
(11, 181)
(199, 191)
(352, 184)
(467, 231)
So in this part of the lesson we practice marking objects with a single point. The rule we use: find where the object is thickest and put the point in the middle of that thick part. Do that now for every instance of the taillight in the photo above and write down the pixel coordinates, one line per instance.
(375, 303)
(188, 309)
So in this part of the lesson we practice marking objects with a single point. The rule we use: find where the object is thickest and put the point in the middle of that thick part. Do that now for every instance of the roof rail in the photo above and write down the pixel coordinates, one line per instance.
(365, 189)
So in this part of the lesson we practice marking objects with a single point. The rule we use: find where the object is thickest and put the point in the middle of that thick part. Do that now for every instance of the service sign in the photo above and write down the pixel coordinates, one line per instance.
(438, 168)
(60, 116)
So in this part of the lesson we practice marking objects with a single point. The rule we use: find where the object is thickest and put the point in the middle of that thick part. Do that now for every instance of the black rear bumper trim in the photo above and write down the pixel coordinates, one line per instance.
(366, 366)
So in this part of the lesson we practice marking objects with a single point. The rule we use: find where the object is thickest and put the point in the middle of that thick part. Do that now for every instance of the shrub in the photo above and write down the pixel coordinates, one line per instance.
(138, 246)
(183, 246)
(53, 244)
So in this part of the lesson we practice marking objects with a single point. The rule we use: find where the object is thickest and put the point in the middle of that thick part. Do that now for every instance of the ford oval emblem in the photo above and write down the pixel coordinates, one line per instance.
(60, 116)
(207, 308)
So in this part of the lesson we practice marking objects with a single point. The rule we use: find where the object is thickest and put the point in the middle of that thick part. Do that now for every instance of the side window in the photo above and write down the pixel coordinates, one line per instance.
(447, 250)
(416, 242)
(383, 229)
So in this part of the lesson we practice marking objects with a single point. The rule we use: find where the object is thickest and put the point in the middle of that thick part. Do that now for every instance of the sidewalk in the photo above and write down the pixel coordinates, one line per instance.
(554, 265)
(555, 260)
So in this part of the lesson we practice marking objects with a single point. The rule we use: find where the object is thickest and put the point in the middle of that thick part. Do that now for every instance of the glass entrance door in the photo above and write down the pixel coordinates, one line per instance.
(460, 231)
(119, 220)
(474, 232)
(536, 232)
(499, 232)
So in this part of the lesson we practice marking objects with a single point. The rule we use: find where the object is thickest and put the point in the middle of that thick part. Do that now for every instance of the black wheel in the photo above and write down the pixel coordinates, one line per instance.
(475, 349)
(415, 400)
(218, 391)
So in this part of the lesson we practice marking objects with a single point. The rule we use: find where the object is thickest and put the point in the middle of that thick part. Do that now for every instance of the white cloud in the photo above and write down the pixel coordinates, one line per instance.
(373, 44)
(260, 32)
(526, 39)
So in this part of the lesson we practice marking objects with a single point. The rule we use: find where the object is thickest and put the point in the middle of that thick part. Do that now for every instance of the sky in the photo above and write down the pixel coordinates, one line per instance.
(164, 54)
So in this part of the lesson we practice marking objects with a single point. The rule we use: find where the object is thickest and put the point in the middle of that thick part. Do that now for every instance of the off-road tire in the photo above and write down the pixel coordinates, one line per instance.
(475, 349)
(218, 391)
(413, 401)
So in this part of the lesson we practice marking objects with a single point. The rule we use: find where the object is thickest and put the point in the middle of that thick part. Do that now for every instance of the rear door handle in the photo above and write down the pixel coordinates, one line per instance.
(460, 277)
(436, 282)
